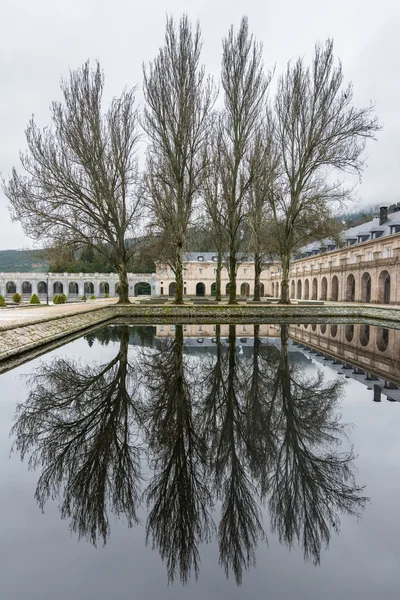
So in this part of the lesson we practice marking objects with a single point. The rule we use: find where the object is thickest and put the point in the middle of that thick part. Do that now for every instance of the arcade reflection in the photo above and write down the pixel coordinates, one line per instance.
(222, 431)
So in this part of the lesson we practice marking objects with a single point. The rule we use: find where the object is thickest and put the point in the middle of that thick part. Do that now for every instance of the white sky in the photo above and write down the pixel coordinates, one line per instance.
(40, 40)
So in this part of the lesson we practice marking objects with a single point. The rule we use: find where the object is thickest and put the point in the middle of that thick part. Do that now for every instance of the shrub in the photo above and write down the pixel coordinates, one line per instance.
(93, 297)
(60, 299)
(34, 299)
(55, 299)
(64, 298)
(83, 298)
(2, 301)
(106, 296)
(16, 298)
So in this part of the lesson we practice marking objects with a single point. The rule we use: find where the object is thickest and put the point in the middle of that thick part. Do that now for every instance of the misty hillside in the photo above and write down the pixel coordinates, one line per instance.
(25, 261)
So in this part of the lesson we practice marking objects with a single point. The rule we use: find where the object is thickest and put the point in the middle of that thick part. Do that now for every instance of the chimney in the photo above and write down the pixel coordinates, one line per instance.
(383, 214)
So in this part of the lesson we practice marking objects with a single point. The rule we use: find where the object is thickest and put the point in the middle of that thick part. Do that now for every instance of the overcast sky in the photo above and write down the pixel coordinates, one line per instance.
(40, 40)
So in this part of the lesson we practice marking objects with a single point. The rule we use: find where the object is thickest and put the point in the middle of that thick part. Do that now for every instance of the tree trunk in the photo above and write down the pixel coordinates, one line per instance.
(285, 296)
(179, 275)
(257, 275)
(232, 276)
(123, 284)
(218, 277)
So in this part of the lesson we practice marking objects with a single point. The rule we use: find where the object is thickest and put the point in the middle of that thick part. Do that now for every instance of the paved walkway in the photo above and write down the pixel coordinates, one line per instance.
(24, 314)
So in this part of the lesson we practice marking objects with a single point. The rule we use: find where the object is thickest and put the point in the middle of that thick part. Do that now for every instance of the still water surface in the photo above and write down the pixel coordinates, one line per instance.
(225, 458)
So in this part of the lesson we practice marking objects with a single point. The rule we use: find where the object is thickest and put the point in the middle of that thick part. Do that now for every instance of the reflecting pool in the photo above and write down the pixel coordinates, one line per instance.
(203, 461)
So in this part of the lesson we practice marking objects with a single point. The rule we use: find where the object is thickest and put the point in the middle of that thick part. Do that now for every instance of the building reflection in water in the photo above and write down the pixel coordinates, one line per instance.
(224, 434)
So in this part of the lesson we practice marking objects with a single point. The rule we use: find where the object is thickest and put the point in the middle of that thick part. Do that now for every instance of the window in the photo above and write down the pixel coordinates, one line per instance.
(244, 328)
(369, 256)
(214, 258)
(388, 252)
(201, 271)
(245, 271)
(200, 258)
(200, 327)
(172, 327)
(215, 271)
(214, 327)
(161, 327)
(162, 291)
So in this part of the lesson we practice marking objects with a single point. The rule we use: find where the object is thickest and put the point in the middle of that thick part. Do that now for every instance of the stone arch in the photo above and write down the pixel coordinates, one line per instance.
(26, 287)
(245, 289)
(89, 288)
(364, 335)
(142, 288)
(299, 286)
(366, 287)
(324, 289)
(349, 332)
(11, 288)
(73, 288)
(315, 289)
(293, 289)
(214, 289)
(58, 287)
(334, 330)
(42, 287)
(104, 288)
(384, 288)
(322, 329)
(335, 289)
(200, 289)
(306, 289)
(350, 288)
(172, 288)
(382, 338)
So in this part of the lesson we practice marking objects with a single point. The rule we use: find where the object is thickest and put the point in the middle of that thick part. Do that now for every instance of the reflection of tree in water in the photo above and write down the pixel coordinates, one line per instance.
(178, 496)
(232, 429)
(79, 425)
(310, 484)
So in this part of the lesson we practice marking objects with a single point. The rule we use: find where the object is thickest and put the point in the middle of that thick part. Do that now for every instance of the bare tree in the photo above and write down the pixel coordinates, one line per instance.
(177, 116)
(319, 133)
(245, 87)
(80, 186)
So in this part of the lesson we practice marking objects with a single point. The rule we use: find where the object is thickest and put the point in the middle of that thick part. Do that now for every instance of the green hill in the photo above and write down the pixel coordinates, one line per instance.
(24, 261)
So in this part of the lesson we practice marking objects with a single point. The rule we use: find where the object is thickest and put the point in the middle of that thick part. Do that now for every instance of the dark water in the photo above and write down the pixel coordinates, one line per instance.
(242, 461)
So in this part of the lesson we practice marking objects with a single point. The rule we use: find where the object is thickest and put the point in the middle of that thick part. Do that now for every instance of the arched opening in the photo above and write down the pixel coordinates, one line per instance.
(42, 287)
(299, 289)
(335, 289)
(214, 289)
(384, 288)
(262, 290)
(324, 289)
(349, 332)
(58, 287)
(382, 338)
(200, 289)
(11, 288)
(366, 288)
(142, 288)
(322, 328)
(227, 288)
(172, 288)
(333, 330)
(273, 290)
(245, 290)
(314, 327)
(73, 288)
(26, 287)
(89, 288)
(104, 288)
(364, 335)
(293, 290)
(306, 289)
(351, 288)
(315, 289)
(117, 289)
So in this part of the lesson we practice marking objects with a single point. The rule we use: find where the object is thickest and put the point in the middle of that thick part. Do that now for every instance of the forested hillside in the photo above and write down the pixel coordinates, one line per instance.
(27, 261)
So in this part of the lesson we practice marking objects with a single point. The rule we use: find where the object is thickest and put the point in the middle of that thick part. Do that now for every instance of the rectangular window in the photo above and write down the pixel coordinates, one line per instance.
(172, 327)
(162, 291)
(161, 327)
(388, 252)
(244, 328)
(201, 271)
(200, 327)
(369, 256)
(184, 291)
(245, 271)
(215, 271)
